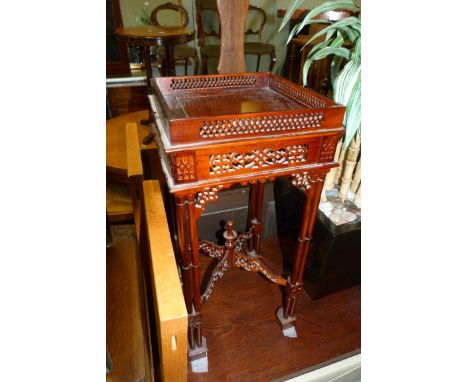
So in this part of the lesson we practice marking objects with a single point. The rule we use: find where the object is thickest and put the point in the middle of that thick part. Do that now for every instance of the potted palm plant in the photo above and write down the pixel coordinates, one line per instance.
(342, 41)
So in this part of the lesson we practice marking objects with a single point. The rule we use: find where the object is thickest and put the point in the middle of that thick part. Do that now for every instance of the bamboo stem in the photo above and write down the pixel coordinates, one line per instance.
(354, 147)
(357, 197)
(353, 152)
(329, 179)
(338, 169)
(356, 177)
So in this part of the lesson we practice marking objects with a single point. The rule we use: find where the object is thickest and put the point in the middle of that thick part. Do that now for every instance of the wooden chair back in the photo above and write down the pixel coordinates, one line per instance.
(260, 14)
(173, 7)
(206, 7)
(210, 7)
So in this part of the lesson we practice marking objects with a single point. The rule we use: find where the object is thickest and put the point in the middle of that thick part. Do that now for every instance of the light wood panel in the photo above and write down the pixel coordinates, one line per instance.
(116, 147)
(170, 311)
(125, 324)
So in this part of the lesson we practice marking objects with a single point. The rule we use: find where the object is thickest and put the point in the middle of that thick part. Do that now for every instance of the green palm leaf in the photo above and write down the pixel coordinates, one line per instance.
(296, 28)
(335, 67)
(339, 25)
(289, 12)
(353, 114)
(346, 80)
(322, 53)
(357, 49)
(319, 52)
(347, 91)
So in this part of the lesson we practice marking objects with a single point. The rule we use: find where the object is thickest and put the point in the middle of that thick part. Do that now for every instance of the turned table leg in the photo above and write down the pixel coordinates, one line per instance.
(194, 252)
(170, 61)
(255, 216)
(146, 54)
(184, 256)
(294, 286)
(187, 238)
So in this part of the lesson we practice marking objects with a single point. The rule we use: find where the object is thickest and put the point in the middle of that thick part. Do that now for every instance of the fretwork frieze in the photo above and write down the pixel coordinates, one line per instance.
(253, 125)
(257, 159)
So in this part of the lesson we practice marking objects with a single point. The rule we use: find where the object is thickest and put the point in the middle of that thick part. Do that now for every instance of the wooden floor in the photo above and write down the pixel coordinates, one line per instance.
(244, 340)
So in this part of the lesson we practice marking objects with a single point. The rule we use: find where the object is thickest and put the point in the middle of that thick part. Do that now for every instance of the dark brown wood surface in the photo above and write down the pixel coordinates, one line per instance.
(126, 99)
(243, 335)
(116, 53)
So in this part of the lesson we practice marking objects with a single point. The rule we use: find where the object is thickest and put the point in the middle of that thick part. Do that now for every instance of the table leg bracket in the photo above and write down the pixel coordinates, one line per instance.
(235, 254)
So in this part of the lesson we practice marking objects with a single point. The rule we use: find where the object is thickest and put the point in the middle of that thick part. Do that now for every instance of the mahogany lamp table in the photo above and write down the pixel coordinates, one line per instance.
(219, 130)
(143, 37)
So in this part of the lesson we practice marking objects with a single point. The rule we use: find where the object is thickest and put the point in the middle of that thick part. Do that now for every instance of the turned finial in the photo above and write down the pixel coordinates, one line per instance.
(230, 234)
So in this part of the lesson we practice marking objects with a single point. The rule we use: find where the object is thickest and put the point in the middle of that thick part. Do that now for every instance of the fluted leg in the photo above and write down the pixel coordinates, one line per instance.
(255, 216)
(194, 252)
(294, 286)
(185, 260)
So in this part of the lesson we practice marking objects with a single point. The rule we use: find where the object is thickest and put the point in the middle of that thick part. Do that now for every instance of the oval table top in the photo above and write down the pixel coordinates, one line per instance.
(154, 35)
(116, 149)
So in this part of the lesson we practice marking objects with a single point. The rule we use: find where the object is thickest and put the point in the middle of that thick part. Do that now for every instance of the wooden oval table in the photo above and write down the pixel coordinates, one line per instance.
(145, 36)
(116, 149)
(118, 201)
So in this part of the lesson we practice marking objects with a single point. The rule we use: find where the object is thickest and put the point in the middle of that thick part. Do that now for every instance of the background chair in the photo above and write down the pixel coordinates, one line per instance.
(258, 48)
(182, 53)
